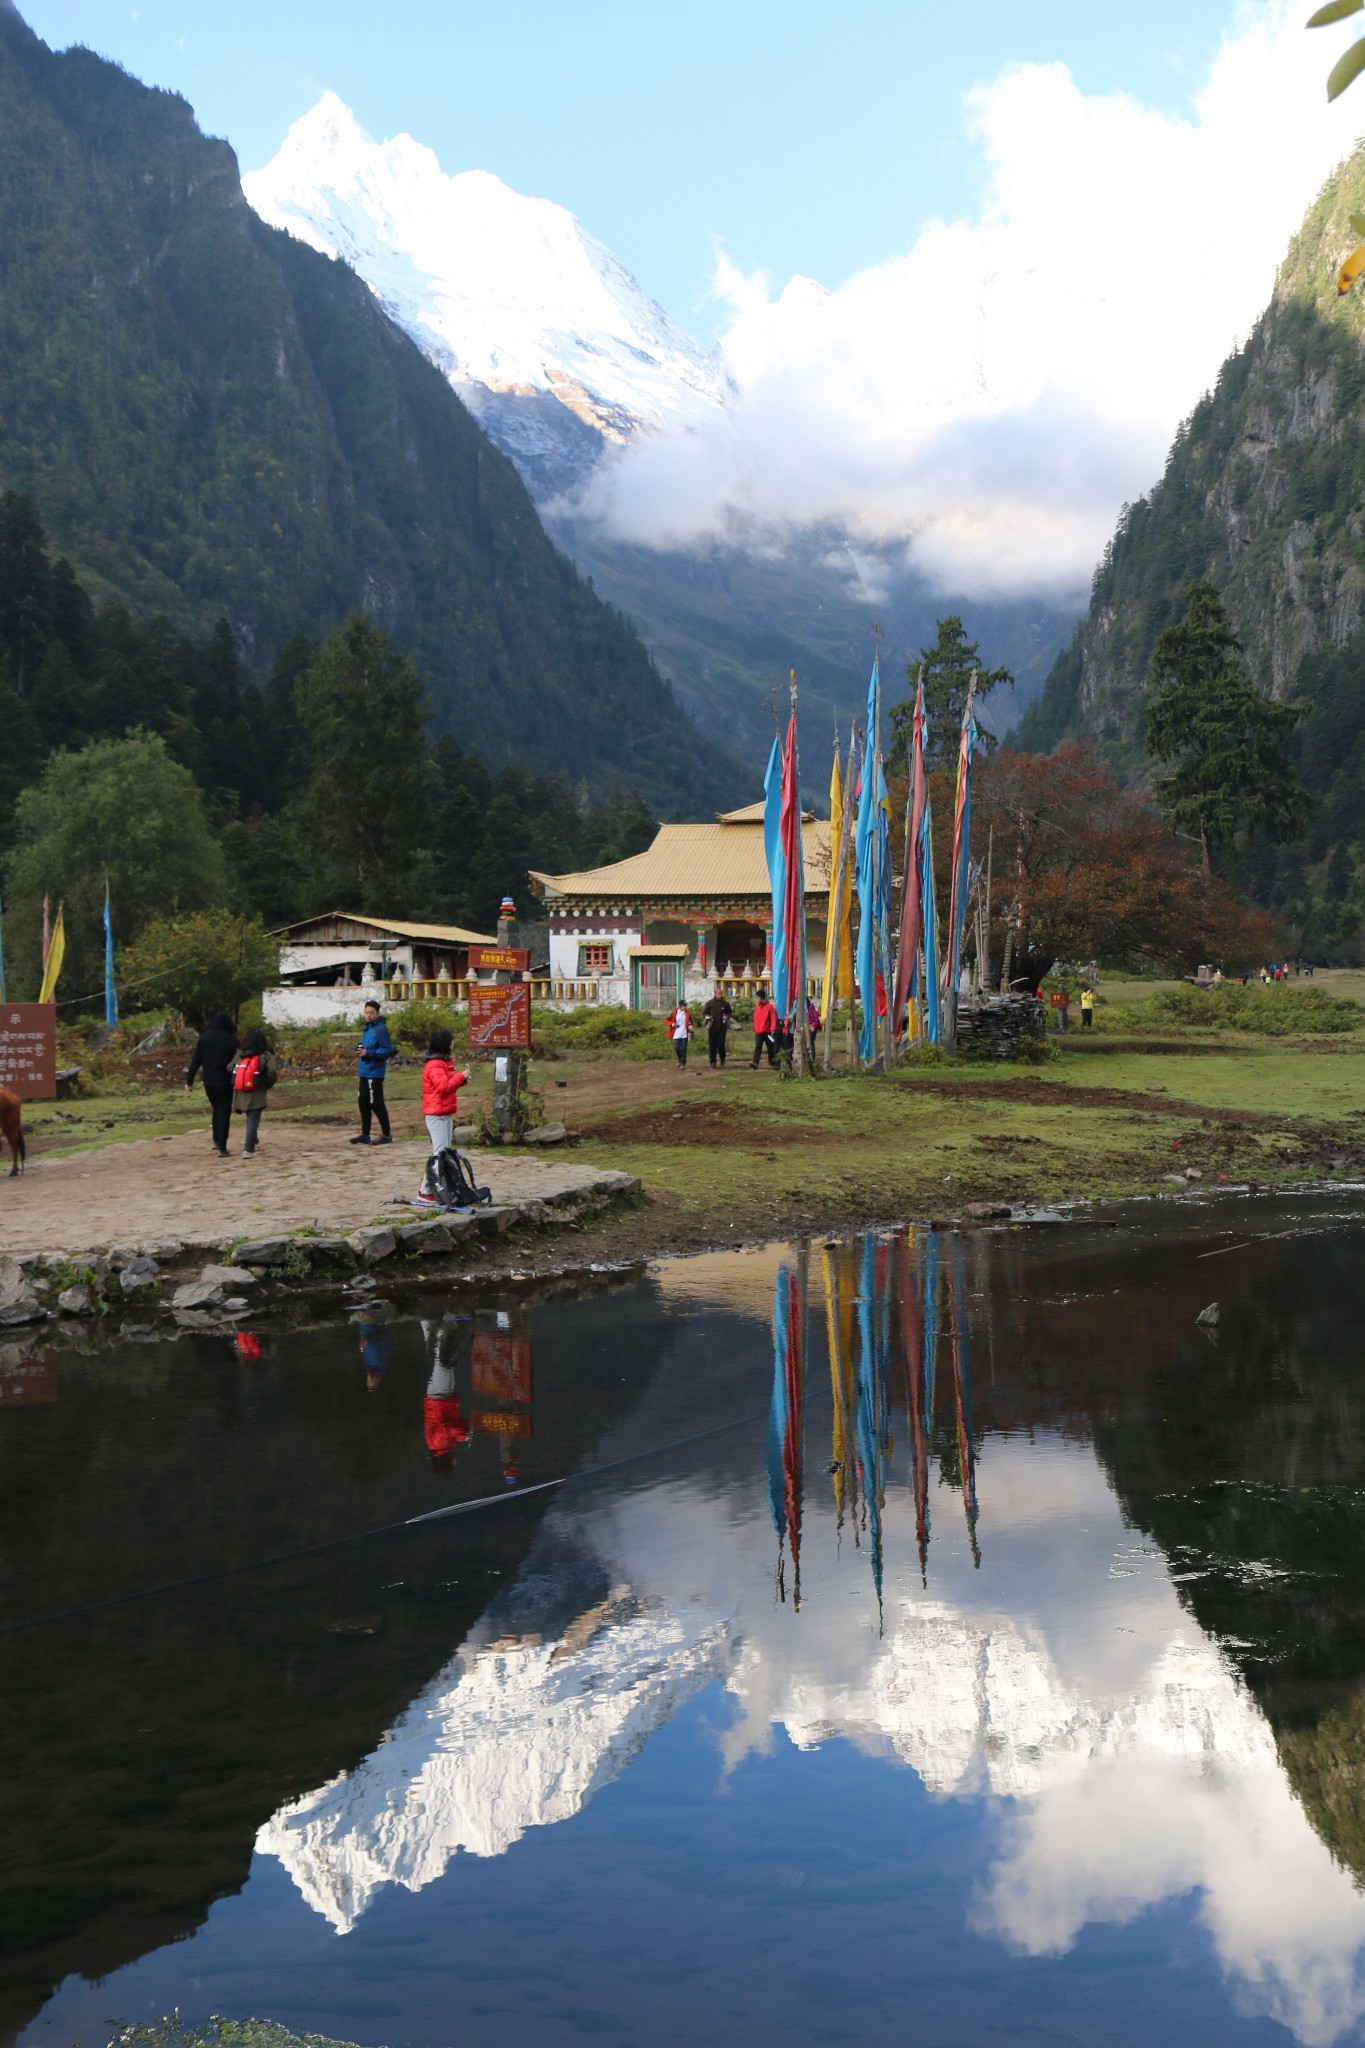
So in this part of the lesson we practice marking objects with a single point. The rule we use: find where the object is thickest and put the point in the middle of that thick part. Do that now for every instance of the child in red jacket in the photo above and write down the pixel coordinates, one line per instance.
(441, 1086)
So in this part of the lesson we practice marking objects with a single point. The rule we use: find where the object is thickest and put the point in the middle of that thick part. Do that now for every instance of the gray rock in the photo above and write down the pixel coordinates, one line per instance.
(492, 1222)
(137, 1274)
(548, 1134)
(164, 1248)
(1208, 1318)
(26, 1308)
(262, 1251)
(120, 1254)
(75, 1301)
(988, 1209)
(329, 1251)
(229, 1276)
(373, 1244)
(464, 1134)
(198, 1294)
(426, 1237)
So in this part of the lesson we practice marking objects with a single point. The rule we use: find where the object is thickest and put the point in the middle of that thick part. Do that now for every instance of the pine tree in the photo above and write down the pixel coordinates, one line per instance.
(948, 667)
(1228, 741)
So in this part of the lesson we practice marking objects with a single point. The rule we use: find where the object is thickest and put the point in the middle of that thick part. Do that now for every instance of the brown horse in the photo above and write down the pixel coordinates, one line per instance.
(12, 1127)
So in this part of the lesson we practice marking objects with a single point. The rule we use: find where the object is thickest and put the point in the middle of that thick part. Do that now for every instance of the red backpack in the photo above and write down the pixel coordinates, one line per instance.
(247, 1074)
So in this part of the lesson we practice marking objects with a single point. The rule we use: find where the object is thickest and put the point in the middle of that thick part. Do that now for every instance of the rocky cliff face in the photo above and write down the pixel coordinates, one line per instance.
(1264, 491)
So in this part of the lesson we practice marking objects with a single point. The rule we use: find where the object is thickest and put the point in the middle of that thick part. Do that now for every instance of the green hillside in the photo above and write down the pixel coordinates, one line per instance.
(1263, 492)
(215, 421)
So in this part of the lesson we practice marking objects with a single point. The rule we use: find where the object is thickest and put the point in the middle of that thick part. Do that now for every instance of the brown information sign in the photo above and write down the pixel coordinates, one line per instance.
(498, 959)
(28, 1050)
(500, 1016)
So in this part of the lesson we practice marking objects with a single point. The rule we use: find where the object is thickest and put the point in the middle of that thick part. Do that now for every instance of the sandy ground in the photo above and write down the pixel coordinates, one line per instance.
(175, 1188)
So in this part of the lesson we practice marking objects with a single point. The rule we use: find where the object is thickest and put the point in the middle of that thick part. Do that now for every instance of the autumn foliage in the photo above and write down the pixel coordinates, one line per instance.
(1084, 869)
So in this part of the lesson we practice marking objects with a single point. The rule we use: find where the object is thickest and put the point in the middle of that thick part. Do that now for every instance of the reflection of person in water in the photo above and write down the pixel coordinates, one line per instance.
(443, 1424)
(376, 1351)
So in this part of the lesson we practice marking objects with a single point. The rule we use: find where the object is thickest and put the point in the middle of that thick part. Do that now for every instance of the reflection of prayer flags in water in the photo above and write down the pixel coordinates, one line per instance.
(871, 1420)
(962, 1403)
(911, 1346)
(785, 1425)
(777, 872)
(56, 953)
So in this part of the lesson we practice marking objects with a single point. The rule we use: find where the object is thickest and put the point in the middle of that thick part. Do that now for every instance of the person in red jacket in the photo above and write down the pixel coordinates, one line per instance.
(443, 1426)
(441, 1085)
(765, 1028)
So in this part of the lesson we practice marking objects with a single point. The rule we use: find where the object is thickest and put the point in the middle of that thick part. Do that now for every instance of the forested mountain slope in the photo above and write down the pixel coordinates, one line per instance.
(1264, 492)
(215, 420)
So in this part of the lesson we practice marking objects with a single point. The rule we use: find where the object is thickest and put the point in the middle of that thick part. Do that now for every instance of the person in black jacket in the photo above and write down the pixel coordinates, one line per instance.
(214, 1054)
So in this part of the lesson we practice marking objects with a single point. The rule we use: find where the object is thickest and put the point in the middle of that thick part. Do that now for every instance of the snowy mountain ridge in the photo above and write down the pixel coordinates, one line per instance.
(547, 337)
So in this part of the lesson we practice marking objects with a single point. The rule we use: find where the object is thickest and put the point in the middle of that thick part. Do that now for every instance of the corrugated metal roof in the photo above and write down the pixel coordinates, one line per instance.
(686, 861)
(389, 927)
(752, 814)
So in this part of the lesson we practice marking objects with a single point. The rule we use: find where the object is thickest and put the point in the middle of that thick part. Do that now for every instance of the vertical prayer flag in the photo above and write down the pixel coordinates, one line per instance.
(962, 841)
(110, 998)
(838, 962)
(794, 880)
(912, 899)
(777, 872)
(55, 953)
(867, 843)
(4, 998)
(926, 885)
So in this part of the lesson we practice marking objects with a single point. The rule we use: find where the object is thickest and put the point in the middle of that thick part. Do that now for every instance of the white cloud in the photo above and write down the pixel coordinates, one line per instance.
(997, 393)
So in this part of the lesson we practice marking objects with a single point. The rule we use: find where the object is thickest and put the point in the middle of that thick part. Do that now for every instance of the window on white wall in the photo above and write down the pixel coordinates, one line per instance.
(595, 959)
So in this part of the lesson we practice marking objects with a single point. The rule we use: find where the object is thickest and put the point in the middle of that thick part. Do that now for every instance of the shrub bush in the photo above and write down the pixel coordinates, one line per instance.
(1279, 1011)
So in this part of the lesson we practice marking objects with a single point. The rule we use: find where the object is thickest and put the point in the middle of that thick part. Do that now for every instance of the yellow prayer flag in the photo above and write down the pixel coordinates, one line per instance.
(838, 939)
(55, 952)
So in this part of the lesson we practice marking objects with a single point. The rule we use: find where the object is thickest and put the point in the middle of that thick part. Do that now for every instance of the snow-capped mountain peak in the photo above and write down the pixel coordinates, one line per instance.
(510, 296)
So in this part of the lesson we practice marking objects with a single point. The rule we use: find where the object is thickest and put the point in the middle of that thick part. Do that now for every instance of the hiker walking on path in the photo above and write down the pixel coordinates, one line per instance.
(719, 1017)
(441, 1085)
(680, 1030)
(376, 1050)
(765, 1029)
(1087, 1007)
(254, 1074)
(214, 1052)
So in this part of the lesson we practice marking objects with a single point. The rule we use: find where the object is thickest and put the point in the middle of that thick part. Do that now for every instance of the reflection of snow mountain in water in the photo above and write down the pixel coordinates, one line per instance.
(1064, 1679)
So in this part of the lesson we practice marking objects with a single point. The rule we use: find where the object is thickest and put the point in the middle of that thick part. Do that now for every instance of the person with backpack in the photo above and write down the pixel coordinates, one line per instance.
(253, 1076)
(441, 1085)
(214, 1053)
(680, 1030)
(765, 1028)
(376, 1050)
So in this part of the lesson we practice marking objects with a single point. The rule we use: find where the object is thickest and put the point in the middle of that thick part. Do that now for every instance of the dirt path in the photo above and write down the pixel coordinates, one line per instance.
(176, 1189)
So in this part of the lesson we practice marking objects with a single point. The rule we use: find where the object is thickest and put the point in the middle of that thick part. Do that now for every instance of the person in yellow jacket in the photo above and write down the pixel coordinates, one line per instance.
(1087, 1007)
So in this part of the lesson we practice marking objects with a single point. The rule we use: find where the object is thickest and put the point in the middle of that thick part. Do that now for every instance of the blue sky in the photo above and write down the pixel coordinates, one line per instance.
(808, 138)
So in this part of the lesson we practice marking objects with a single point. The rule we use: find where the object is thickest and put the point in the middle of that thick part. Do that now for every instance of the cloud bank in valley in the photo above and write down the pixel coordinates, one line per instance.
(998, 392)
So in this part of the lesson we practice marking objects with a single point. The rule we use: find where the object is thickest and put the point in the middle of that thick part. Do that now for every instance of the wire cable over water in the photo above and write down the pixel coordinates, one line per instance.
(459, 1507)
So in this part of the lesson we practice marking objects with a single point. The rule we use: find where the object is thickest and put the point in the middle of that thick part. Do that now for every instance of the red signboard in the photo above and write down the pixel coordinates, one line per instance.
(500, 1016)
(31, 1381)
(496, 959)
(502, 1365)
(28, 1050)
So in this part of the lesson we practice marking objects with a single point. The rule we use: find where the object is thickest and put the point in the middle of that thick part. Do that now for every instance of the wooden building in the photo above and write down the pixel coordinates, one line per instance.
(693, 909)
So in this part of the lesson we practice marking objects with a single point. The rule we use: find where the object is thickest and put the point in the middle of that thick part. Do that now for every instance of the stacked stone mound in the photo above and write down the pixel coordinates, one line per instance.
(999, 1027)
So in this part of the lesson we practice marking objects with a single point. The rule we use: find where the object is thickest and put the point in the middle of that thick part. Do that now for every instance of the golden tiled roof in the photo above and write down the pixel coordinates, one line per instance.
(724, 860)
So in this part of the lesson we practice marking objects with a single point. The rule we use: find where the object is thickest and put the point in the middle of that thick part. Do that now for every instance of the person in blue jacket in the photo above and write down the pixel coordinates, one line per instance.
(376, 1050)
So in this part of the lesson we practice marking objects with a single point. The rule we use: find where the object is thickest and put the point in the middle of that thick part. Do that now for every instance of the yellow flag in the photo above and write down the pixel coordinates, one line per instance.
(55, 952)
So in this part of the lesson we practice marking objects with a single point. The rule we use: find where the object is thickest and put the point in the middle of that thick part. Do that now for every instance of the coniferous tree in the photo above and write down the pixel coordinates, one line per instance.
(1228, 741)
(948, 667)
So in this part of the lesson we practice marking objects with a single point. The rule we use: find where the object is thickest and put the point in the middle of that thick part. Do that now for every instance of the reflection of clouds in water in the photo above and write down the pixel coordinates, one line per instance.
(1138, 1766)
(1287, 1922)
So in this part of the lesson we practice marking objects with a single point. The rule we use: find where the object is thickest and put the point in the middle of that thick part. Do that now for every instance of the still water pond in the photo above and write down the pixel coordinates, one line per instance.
(938, 1637)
